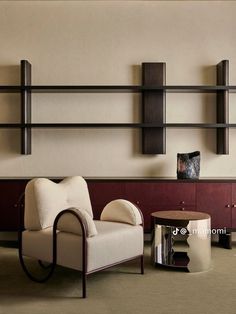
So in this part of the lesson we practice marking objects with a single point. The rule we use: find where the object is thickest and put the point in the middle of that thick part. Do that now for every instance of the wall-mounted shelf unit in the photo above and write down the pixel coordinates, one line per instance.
(153, 90)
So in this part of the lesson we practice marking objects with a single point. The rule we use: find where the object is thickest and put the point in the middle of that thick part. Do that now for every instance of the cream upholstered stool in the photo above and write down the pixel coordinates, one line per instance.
(59, 229)
(196, 226)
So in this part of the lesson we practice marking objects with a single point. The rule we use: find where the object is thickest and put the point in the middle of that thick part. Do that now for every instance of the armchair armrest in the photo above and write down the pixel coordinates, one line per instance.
(121, 210)
(77, 221)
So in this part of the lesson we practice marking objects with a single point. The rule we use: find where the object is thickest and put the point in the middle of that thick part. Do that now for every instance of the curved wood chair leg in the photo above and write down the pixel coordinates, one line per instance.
(40, 280)
(27, 272)
(84, 244)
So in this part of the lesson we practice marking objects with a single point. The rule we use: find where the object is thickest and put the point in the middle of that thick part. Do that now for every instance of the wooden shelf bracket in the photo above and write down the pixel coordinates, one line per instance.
(25, 107)
(154, 108)
(222, 112)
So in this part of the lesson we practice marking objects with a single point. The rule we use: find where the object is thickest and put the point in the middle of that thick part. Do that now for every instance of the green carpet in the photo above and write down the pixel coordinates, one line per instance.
(122, 289)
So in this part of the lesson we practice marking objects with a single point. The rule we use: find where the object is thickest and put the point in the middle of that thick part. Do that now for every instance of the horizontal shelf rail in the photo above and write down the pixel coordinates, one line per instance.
(115, 88)
(118, 125)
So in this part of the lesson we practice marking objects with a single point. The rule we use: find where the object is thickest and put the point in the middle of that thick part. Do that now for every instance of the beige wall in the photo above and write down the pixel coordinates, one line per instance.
(95, 42)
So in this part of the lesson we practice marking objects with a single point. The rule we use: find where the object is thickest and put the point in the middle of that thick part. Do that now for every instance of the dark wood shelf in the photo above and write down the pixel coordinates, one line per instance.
(117, 125)
(86, 89)
(126, 88)
(200, 125)
(10, 89)
(115, 88)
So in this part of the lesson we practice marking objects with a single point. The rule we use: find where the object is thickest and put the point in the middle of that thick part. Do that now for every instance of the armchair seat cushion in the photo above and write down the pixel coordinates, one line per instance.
(114, 243)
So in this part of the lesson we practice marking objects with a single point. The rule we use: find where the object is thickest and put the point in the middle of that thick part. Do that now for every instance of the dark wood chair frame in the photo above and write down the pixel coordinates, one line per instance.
(84, 271)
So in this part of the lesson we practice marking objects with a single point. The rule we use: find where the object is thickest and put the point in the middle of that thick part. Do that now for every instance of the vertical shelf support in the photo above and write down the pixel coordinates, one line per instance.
(154, 108)
(223, 108)
(25, 107)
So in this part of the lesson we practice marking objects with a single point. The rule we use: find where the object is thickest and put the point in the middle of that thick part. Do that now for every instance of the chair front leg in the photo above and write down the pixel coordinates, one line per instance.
(142, 256)
(142, 264)
(84, 283)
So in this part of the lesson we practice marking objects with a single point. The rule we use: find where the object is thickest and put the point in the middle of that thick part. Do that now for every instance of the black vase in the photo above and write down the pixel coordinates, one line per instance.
(188, 165)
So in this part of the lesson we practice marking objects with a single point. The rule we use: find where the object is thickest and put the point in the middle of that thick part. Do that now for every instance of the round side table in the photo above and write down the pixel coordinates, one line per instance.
(194, 227)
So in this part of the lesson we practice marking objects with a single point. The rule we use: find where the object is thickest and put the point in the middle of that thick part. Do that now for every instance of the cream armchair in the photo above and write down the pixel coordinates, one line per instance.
(59, 229)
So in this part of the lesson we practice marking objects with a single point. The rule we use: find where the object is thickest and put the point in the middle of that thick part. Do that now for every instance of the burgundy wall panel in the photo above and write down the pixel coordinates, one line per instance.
(101, 193)
(10, 207)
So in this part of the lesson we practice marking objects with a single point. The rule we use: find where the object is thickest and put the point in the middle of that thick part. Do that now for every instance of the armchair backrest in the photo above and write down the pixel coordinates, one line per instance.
(44, 199)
